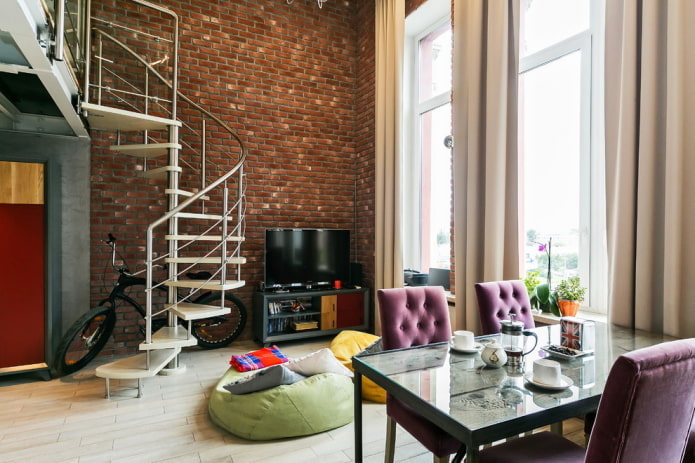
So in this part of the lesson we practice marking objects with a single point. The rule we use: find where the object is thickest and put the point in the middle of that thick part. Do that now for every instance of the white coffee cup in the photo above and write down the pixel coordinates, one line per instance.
(463, 339)
(547, 371)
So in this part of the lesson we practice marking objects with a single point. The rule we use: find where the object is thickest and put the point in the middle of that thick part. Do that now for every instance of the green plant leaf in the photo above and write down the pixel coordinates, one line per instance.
(543, 293)
(554, 307)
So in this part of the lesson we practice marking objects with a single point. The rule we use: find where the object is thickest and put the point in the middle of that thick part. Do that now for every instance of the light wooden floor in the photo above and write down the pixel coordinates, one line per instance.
(68, 420)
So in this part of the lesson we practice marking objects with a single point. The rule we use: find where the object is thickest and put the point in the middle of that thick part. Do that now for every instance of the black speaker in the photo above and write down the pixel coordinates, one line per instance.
(355, 274)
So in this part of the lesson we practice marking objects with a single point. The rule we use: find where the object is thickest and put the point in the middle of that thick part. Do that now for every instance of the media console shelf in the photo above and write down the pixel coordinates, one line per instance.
(285, 316)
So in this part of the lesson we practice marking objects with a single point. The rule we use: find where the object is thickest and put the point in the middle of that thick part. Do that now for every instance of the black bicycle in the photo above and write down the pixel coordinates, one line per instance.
(90, 333)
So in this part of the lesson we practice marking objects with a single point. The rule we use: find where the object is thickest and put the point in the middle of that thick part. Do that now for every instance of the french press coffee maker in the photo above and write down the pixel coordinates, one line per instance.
(514, 339)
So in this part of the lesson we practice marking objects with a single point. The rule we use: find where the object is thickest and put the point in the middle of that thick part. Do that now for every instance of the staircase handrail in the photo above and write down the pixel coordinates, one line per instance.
(165, 218)
(237, 168)
(146, 4)
(170, 85)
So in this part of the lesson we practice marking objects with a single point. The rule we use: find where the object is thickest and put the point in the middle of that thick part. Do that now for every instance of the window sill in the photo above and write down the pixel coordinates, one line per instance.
(550, 319)
(545, 318)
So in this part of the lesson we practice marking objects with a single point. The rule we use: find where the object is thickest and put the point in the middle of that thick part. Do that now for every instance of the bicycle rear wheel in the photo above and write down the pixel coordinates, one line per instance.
(219, 331)
(84, 340)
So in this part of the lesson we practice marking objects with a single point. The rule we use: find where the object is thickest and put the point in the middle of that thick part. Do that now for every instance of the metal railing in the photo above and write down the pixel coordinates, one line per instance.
(142, 96)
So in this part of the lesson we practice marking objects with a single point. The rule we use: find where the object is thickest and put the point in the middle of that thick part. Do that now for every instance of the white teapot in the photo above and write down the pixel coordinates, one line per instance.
(493, 355)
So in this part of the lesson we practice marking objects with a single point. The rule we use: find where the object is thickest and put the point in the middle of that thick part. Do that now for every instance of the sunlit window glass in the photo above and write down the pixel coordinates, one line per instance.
(435, 63)
(436, 188)
(547, 22)
(550, 143)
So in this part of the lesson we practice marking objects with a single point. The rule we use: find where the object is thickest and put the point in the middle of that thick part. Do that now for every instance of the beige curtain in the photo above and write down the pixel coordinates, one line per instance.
(650, 158)
(486, 166)
(390, 26)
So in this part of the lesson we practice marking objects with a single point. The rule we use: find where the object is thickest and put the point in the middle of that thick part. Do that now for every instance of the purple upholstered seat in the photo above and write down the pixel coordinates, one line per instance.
(415, 316)
(497, 299)
(644, 415)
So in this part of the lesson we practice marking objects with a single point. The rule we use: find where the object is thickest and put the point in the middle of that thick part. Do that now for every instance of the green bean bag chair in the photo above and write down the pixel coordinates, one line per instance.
(318, 403)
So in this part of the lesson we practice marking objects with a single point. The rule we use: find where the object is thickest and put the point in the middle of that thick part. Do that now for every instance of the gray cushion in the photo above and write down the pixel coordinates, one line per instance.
(266, 378)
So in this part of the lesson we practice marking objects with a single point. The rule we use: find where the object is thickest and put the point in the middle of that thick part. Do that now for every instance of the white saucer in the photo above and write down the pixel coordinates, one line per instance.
(477, 347)
(566, 382)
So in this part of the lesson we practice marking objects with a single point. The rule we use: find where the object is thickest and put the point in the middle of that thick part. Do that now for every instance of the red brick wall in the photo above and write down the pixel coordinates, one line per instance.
(412, 5)
(364, 140)
(296, 82)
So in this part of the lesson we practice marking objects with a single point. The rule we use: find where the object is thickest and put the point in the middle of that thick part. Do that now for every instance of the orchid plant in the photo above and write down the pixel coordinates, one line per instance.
(547, 248)
(541, 296)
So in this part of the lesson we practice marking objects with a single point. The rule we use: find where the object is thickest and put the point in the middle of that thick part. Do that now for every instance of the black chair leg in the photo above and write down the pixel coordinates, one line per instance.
(460, 455)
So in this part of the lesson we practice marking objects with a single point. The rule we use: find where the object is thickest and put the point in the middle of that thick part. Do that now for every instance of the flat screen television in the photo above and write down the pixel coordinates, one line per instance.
(306, 258)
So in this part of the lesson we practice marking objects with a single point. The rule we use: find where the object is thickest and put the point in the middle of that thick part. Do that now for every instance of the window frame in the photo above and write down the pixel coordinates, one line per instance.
(592, 234)
(434, 15)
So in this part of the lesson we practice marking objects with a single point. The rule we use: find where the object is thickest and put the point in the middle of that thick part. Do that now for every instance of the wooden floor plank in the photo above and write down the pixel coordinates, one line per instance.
(69, 420)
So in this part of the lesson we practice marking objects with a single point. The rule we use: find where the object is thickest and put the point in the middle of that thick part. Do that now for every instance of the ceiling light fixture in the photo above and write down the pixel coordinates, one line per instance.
(318, 2)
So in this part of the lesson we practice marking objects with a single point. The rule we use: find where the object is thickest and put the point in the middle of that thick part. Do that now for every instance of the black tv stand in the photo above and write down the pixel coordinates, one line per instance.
(298, 314)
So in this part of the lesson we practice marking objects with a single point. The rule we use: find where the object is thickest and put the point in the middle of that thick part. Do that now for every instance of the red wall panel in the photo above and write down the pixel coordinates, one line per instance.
(350, 310)
(22, 283)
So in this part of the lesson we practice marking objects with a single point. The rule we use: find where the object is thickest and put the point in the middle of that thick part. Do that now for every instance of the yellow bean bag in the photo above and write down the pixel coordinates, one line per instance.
(348, 343)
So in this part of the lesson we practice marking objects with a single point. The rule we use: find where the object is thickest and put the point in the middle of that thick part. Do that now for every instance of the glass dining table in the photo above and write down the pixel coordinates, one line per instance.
(479, 405)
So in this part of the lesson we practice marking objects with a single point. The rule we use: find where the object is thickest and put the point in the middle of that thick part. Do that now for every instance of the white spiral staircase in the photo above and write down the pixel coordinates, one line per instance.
(203, 226)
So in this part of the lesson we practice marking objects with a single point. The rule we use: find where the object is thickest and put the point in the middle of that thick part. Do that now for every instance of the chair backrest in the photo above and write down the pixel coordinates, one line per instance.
(497, 299)
(647, 406)
(413, 316)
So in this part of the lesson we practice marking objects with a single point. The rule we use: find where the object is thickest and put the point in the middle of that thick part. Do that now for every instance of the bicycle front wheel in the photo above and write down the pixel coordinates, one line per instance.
(219, 331)
(84, 340)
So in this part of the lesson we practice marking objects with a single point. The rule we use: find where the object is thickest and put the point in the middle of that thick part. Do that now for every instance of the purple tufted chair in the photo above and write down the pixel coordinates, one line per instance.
(497, 299)
(644, 415)
(414, 316)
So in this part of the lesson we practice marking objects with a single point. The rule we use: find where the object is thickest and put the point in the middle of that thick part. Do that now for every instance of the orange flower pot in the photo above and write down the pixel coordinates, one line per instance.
(568, 308)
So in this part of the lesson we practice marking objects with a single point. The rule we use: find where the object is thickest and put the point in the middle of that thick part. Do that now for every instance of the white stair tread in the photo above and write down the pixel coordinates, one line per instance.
(205, 260)
(214, 285)
(193, 215)
(168, 337)
(106, 118)
(148, 150)
(159, 172)
(170, 191)
(136, 366)
(202, 238)
(191, 311)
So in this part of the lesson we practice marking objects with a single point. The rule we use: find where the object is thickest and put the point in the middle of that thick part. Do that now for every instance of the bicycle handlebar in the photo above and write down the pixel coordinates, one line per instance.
(123, 269)
(112, 243)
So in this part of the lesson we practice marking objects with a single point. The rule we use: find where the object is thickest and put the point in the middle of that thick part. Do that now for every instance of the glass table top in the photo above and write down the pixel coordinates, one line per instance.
(478, 397)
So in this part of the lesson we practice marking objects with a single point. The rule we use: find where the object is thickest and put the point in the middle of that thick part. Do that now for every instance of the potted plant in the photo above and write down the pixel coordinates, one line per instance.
(543, 299)
(569, 294)
(540, 295)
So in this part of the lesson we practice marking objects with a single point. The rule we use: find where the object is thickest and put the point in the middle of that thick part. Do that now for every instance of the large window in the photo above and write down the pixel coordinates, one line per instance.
(559, 111)
(427, 163)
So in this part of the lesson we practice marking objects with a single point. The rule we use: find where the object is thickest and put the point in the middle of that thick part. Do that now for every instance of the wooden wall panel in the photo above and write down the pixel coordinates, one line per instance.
(21, 183)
